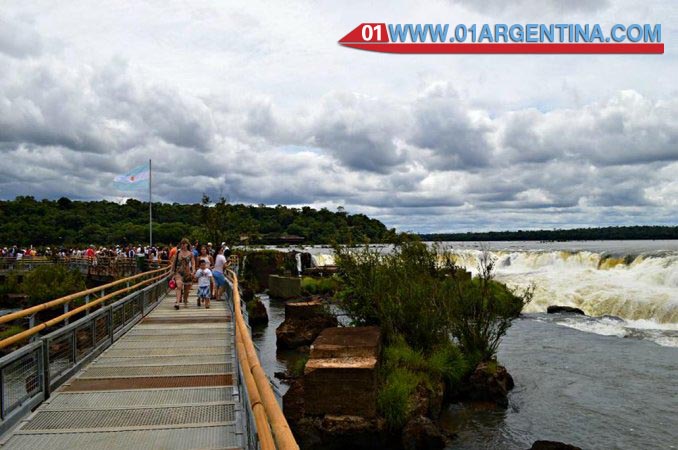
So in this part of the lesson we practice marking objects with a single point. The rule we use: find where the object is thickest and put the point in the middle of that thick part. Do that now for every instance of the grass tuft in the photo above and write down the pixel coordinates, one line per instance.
(319, 286)
(395, 397)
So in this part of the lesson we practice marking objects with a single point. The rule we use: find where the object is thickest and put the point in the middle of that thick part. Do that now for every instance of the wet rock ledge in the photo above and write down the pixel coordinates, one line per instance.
(334, 404)
(304, 321)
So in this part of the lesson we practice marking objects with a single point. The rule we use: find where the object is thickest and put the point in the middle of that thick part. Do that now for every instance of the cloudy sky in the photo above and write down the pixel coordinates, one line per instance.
(258, 102)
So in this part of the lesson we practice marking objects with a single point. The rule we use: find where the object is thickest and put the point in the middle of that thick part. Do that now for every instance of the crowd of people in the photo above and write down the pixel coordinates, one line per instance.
(151, 253)
(128, 251)
(203, 264)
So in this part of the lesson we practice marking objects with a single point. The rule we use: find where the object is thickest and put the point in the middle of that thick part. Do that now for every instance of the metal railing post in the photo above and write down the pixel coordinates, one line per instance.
(110, 324)
(31, 324)
(41, 368)
(2, 394)
(45, 368)
(74, 350)
(143, 304)
(93, 333)
(66, 308)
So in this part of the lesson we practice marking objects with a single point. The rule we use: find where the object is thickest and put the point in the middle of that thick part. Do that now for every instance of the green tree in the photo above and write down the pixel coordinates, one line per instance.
(50, 282)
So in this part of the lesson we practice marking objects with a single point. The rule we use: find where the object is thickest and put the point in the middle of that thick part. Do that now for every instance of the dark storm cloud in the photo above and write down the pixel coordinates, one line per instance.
(95, 111)
(444, 125)
(358, 131)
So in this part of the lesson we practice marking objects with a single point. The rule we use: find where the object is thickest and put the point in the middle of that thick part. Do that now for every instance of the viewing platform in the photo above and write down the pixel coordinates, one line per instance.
(167, 383)
(137, 373)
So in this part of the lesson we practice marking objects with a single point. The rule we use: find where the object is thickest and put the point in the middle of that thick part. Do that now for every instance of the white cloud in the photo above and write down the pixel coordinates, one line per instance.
(258, 102)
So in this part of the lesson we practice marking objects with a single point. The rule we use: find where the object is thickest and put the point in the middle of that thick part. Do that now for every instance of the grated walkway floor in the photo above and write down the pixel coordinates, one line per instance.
(166, 384)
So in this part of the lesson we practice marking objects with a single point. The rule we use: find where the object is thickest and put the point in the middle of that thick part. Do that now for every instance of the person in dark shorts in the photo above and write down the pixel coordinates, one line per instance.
(182, 267)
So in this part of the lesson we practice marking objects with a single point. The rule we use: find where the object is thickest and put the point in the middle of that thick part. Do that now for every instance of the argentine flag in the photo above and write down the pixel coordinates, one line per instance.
(134, 179)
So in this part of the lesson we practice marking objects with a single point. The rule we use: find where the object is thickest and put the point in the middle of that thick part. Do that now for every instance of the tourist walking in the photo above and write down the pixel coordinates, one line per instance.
(182, 267)
(205, 283)
(172, 251)
(218, 274)
(205, 256)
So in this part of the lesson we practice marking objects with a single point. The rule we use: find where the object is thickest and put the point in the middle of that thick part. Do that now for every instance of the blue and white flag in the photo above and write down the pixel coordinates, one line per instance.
(134, 179)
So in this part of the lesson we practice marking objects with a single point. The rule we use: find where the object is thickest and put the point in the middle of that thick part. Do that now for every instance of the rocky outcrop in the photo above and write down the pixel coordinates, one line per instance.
(552, 445)
(489, 382)
(428, 401)
(296, 333)
(555, 309)
(247, 293)
(304, 321)
(284, 287)
(420, 433)
(331, 431)
(293, 401)
(341, 432)
(340, 377)
(259, 264)
(347, 342)
(334, 404)
(257, 314)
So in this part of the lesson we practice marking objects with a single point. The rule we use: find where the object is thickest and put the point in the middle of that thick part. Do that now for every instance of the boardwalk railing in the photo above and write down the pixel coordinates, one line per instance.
(272, 428)
(29, 374)
(104, 266)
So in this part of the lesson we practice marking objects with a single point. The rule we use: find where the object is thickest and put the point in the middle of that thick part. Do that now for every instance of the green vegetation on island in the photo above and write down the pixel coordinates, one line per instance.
(439, 324)
(27, 221)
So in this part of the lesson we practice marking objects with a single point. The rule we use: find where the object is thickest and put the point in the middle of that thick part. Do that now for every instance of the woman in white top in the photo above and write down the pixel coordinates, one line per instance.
(218, 274)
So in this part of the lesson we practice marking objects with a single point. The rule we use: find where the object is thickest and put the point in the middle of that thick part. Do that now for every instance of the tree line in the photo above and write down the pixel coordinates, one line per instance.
(577, 234)
(27, 221)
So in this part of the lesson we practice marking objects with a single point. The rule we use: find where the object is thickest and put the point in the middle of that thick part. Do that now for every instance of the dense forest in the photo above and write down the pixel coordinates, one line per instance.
(577, 234)
(27, 221)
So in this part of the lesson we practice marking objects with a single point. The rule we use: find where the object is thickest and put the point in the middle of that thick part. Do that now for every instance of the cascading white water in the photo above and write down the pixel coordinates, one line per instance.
(633, 288)
(322, 259)
(297, 259)
(640, 291)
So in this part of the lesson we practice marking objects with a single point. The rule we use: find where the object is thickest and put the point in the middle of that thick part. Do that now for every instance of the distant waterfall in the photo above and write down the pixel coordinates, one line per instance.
(642, 287)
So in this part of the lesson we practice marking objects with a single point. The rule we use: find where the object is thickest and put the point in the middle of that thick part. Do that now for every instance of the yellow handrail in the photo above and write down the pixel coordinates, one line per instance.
(260, 418)
(36, 329)
(257, 382)
(69, 298)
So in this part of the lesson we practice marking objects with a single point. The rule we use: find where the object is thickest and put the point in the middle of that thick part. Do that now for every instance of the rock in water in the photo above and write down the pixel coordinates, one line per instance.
(564, 309)
(340, 377)
(489, 382)
(552, 445)
(421, 433)
(293, 401)
(247, 293)
(284, 287)
(303, 323)
(428, 402)
(256, 311)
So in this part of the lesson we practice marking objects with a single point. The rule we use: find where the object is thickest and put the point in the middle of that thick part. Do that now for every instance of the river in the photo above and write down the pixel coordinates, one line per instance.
(606, 381)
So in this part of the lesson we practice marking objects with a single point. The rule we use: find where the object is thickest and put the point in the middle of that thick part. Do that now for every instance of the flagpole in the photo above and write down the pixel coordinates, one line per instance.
(150, 204)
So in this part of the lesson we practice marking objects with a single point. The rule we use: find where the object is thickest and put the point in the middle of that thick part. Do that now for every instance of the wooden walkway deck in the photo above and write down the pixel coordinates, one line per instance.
(169, 383)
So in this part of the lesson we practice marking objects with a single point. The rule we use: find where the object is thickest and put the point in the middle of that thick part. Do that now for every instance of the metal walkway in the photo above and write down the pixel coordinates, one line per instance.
(168, 383)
